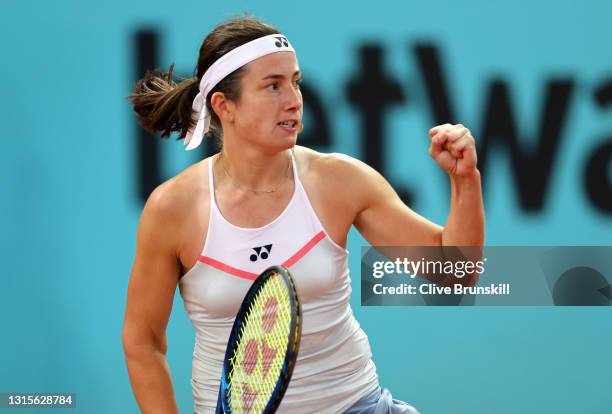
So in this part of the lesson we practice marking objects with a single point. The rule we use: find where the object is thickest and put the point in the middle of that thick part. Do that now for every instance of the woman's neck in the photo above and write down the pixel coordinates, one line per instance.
(254, 171)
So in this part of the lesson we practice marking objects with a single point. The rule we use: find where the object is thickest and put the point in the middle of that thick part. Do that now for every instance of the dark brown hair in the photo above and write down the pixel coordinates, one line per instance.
(164, 105)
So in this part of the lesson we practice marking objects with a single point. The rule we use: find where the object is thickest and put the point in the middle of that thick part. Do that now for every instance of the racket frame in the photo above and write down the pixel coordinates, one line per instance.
(295, 332)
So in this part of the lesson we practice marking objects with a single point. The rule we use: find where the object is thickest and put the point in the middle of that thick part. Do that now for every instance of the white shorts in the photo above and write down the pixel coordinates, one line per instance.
(378, 402)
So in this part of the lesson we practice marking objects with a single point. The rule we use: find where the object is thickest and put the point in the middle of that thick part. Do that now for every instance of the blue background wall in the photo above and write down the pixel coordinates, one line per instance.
(69, 190)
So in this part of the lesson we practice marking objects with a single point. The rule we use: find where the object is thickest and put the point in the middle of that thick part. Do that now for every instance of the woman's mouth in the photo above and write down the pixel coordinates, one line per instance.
(289, 125)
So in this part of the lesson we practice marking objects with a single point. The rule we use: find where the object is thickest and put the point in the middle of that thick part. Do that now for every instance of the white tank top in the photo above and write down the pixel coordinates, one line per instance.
(334, 367)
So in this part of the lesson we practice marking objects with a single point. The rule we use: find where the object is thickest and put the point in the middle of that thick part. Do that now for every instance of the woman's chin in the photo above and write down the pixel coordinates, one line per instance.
(285, 142)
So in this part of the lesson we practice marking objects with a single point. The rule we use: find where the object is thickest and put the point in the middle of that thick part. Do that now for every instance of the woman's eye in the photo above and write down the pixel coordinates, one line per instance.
(273, 87)
(297, 83)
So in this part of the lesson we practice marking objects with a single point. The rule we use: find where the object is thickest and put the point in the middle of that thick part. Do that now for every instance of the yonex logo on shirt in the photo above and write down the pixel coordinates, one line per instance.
(261, 252)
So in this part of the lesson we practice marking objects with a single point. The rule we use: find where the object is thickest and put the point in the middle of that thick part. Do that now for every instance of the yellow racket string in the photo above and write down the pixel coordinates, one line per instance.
(259, 357)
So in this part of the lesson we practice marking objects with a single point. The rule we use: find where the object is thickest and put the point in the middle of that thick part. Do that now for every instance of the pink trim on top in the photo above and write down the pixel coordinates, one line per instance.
(307, 247)
(227, 268)
(252, 276)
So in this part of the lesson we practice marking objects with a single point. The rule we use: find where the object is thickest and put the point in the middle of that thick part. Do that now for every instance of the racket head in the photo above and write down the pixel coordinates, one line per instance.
(268, 325)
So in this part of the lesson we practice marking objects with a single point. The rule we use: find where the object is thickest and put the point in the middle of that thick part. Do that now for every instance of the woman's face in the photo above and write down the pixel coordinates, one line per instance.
(269, 111)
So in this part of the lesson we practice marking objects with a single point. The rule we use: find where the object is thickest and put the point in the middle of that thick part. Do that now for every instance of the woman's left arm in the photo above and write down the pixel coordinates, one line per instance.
(383, 219)
(454, 149)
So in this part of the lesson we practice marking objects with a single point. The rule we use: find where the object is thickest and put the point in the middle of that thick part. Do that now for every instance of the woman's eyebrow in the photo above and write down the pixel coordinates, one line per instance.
(279, 76)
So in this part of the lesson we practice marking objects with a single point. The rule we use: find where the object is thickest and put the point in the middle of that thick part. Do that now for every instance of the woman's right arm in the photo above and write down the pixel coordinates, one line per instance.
(151, 291)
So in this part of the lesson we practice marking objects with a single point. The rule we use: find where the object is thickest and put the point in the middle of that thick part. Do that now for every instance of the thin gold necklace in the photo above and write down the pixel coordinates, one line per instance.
(254, 191)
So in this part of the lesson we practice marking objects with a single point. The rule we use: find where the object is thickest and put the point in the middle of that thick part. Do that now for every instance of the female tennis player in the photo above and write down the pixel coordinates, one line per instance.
(262, 201)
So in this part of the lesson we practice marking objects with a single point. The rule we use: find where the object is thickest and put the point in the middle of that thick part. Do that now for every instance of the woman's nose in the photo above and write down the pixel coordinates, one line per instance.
(294, 100)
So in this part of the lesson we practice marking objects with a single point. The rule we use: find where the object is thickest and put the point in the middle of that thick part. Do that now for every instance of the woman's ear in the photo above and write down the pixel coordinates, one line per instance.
(223, 107)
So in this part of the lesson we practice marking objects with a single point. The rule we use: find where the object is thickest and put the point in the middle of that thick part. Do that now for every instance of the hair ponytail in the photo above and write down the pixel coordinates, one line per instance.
(162, 104)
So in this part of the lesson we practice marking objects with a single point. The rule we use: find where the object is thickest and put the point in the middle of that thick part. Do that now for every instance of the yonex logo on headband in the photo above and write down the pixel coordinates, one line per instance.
(225, 65)
(281, 41)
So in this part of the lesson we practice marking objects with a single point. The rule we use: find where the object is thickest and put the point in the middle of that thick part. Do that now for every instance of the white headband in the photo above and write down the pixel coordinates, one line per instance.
(225, 65)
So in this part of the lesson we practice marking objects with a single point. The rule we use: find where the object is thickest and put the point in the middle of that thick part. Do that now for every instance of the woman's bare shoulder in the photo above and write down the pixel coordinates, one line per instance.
(322, 164)
(174, 197)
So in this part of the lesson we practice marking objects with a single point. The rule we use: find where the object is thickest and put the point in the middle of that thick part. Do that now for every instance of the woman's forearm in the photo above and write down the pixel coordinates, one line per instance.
(465, 224)
(151, 380)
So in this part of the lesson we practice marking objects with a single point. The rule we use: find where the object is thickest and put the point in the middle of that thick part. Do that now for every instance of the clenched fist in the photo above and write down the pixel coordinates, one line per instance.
(454, 149)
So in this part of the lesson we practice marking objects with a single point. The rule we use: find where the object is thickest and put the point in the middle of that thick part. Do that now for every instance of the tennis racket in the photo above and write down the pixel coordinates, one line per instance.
(262, 347)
